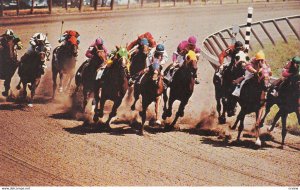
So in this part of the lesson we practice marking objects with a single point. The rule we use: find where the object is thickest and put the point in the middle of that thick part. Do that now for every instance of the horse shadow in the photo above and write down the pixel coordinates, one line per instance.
(216, 138)
(12, 107)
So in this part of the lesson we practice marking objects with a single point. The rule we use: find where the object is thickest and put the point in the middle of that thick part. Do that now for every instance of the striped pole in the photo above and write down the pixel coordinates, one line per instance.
(248, 29)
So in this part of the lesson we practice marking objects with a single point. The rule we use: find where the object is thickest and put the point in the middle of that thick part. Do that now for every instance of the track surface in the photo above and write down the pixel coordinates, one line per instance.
(44, 145)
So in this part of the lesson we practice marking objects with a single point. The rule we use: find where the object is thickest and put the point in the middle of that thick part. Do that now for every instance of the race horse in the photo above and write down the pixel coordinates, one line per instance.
(114, 85)
(150, 86)
(287, 100)
(252, 99)
(86, 74)
(8, 62)
(138, 60)
(64, 62)
(181, 87)
(30, 71)
(225, 85)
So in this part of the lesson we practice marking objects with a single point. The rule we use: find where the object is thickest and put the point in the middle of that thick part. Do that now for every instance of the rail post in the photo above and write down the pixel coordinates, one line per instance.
(50, 6)
(32, 5)
(18, 7)
(1, 8)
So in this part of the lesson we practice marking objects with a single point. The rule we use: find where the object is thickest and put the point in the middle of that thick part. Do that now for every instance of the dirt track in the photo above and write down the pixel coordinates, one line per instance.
(45, 145)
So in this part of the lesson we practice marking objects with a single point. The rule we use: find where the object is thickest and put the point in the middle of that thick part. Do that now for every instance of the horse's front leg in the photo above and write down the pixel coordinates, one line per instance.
(165, 98)
(113, 112)
(222, 118)
(96, 102)
(61, 77)
(33, 88)
(157, 104)
(145, 104)
(136, 96)
(284, 131)
(54, 77)
(241, 118)
(180, 112)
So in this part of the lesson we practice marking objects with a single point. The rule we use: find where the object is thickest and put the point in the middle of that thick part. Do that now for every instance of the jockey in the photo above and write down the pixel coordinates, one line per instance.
(64, 38)
(67, 35)
(231, 51)
(257, 65)
(178, 57)
(291, 69)
(136, 42)
(98, 44)
(159, 55)
(16, 39)
(37, 41)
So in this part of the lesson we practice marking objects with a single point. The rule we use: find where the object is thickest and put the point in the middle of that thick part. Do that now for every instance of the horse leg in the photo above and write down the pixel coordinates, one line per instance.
(136, 96)
(276, 118)
(284, 131)
(145, 104)
(157, 103)
(102, 103)
(222, 118)
(268, 108)
(33, 88)
(168, 112)
(238, 118)
(85, 99)
(54, 77)
(61, 77)
(96, 101)
(241, 117)
(71, 76)
(165, 98)
(24, 91)
(180, 112)
(113, 113)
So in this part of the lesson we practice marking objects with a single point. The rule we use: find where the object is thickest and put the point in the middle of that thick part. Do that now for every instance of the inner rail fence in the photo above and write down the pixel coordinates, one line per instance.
(22, 7)
(262, 33)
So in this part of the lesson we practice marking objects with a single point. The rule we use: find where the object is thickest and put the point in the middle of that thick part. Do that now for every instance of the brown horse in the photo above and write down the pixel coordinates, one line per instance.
(225, 85)
(30, 72)
(151, 88)
(252, 100)
(8, 62)
(288, 102)
(181, 87)
(138, 60)
(64, 63)
(86, 75)
(114, 86)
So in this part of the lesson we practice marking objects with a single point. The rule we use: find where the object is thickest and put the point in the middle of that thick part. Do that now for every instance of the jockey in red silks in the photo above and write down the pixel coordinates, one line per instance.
(68, 34)
(178, 57)
(148, 36)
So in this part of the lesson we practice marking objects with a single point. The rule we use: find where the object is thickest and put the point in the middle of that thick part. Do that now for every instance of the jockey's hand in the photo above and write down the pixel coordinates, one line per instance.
(146, 70)
(19, 45)
(48, 49)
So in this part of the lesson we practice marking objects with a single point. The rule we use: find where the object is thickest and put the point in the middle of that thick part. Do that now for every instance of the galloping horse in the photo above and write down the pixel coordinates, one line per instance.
(114, 86)
(8, 62)
(251, 101)
(225, 85)
(65, 63)
(138, 60)
(30, 72)
(86, 74)
(288, 102)
(151, 89)
(181, 87)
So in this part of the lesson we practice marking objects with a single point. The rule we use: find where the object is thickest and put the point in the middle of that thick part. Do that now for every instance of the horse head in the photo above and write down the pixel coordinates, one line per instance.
(241, 58)
(72, 45)
(155, 70)
(122, 57)
(9, 48)
(191, 61)
(100, 54)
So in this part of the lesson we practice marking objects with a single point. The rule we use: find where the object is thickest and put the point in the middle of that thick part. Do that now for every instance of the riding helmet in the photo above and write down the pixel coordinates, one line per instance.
(9, 32)
(238, 45)
(144, 41)
(160, 48)
(296, 60)
(260, 55)
(192, 40)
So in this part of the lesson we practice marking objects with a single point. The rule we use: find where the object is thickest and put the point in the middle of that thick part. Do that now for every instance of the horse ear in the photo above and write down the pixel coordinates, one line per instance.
(126, 45)
(117, 47)
(187, 57)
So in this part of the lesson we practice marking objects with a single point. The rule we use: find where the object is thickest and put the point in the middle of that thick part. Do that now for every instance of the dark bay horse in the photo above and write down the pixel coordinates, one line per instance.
(86, 75)
(114, 86)
(252, 100)
(30, 72)
(8, 62)
(288, 101)
(181, 87)
(151, 89)
(225, 85)
(138, 60)
(65, 63)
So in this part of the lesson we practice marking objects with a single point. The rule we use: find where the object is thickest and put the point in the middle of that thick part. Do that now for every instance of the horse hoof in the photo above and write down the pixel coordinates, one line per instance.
(5, 93)
(141, 133)
(222, 120)
(18, 87)
(158, 122)
(258, 142)
(30, 105)
(95, 118)
(169, 128)
(164, 117)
